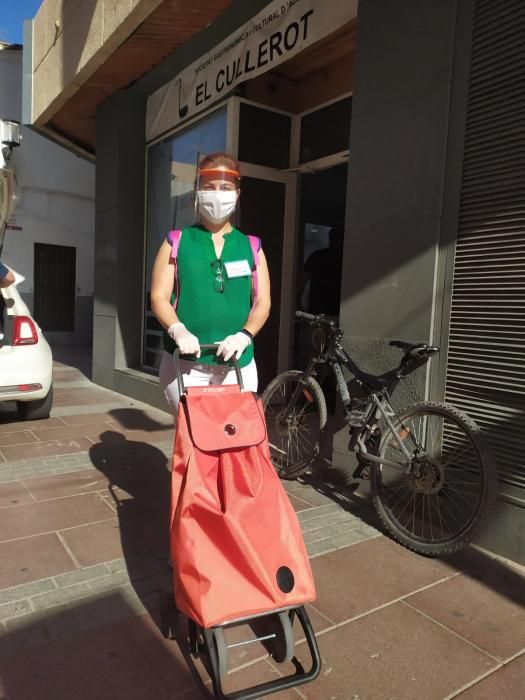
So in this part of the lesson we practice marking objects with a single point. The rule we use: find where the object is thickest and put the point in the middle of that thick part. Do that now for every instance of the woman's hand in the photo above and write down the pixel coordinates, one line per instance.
(234, 345)
(187, 343)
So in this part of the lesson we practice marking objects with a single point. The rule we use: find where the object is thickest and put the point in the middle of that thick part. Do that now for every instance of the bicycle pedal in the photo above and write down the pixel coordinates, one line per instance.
(356, 419)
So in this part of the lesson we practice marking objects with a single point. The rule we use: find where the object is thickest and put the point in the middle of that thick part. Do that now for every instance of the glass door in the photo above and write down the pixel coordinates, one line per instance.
(268, 211)
(171, 176)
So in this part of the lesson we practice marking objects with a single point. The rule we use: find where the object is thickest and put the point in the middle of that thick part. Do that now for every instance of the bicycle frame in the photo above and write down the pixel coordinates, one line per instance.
(332, 358)
(393, 431)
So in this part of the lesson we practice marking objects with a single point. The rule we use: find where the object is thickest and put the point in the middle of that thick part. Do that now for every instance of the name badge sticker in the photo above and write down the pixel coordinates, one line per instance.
(237, 268)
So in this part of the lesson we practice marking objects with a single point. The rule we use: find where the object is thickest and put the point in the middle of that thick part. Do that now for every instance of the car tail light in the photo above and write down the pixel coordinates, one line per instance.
(24, 331)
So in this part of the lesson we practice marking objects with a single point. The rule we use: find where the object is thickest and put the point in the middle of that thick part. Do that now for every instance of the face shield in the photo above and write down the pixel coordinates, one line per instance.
(218, 178)
(217, 192)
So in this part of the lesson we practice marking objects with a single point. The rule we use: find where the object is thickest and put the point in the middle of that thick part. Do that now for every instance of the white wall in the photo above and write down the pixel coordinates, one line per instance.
(56, 189)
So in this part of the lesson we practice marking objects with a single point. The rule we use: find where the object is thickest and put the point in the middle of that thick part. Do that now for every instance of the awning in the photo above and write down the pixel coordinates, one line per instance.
(83, 54)
(280, 31)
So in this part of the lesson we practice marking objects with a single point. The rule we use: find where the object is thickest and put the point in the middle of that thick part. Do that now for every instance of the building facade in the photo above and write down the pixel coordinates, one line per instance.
(400, 122)
(51, 236)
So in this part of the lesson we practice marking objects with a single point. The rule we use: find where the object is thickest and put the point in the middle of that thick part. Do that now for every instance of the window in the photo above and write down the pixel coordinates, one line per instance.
(326, 130)
(171, 176)
(264, 136)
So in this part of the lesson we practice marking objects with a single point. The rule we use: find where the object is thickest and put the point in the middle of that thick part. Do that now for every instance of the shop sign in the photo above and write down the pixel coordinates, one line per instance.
(13, 225)
(276, 34)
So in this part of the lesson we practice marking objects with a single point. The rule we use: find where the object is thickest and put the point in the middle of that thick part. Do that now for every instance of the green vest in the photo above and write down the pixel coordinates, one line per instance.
(207, 313)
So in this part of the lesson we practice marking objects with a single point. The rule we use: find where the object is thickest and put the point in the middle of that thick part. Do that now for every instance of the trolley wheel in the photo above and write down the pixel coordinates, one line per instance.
(284, 642)
(168, 616)
(221, 649)
(195, 638)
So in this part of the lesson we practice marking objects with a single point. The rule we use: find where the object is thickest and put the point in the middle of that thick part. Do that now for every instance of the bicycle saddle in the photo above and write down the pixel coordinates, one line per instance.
(407, 347)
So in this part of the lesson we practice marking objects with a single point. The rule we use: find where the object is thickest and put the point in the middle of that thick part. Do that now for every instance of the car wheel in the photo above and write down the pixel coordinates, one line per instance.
(35, 410)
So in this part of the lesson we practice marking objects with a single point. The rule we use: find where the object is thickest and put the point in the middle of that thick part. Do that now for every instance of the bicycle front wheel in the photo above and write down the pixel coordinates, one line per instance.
(435, 506)
(294, 429)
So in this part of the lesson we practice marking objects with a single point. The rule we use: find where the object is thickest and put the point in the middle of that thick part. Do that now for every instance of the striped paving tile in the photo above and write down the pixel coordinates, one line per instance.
(326, 528)
(68, 463)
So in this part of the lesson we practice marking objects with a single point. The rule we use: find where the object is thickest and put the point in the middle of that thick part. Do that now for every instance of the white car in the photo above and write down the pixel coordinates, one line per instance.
(26, 362)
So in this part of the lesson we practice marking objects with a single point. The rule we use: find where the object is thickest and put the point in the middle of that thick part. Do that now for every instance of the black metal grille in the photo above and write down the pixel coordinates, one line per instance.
(486, 361)
(54, 293)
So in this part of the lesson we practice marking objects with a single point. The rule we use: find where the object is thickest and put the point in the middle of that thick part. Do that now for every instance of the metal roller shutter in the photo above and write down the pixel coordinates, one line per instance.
(486, 360)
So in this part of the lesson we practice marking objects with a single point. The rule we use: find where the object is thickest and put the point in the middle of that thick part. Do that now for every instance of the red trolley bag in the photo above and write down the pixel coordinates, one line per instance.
(236, 544)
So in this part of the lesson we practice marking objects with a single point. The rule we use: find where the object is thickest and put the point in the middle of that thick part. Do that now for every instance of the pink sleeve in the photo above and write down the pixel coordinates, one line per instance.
(174, 237)
(255, 245)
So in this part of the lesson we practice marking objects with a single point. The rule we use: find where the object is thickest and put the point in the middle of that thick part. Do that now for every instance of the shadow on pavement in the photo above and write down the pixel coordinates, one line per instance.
(505, 579)
(135, 419)
(76, 358)
(139, 489)
(97, 648)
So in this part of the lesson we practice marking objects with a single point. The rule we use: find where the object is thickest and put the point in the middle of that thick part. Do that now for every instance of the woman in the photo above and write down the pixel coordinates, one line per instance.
(213, 276)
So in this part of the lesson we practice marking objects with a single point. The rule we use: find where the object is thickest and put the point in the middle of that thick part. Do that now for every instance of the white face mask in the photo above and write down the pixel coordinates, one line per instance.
(216, 205)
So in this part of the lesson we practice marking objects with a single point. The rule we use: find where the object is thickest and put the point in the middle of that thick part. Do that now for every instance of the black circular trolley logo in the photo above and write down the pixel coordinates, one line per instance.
(285, 579)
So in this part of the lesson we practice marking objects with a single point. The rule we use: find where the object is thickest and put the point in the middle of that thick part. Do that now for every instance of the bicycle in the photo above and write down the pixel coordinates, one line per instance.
(432, 477)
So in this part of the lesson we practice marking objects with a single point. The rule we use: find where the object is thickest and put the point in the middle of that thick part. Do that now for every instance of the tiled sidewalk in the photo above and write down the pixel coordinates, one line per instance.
(83, 552)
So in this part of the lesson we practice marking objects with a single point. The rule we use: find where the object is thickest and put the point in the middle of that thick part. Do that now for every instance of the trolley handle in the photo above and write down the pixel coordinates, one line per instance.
(212, 346)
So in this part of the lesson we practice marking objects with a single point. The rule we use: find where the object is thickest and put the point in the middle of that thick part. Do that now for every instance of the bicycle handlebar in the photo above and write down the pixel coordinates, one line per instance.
(306, 316)
(321, 319)
(303, 314)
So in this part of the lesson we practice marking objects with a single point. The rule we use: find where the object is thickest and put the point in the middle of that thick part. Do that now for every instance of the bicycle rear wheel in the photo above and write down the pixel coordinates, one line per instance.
(294, 431)
(439, 504)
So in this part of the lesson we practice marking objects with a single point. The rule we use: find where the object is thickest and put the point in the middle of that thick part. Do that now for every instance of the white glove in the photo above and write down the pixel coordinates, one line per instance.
(187, 343)
(234, 345)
